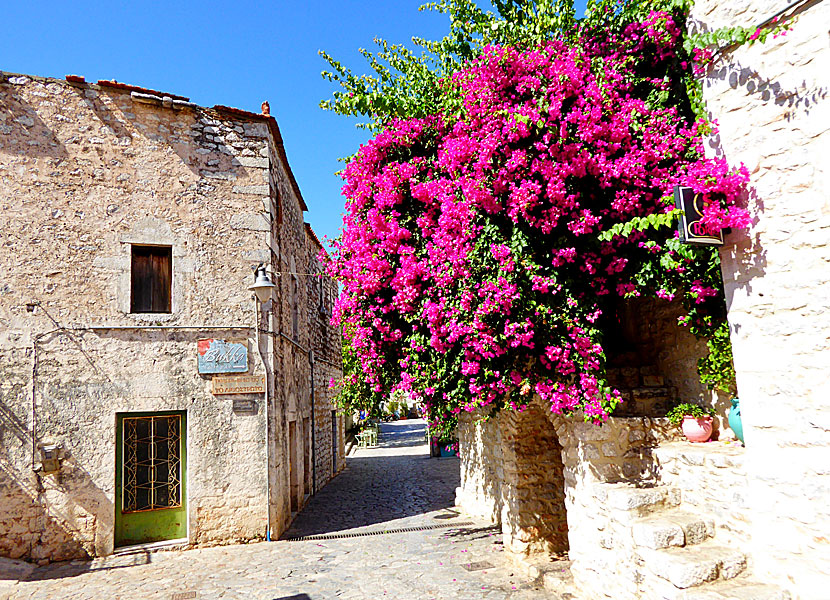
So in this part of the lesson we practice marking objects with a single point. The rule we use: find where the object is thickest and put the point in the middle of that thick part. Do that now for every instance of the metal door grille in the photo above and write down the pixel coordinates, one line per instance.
(152, 463)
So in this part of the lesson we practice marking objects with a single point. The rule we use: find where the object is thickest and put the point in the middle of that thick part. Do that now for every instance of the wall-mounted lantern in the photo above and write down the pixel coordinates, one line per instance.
(262, 285)
(50, 457)
(691, 229)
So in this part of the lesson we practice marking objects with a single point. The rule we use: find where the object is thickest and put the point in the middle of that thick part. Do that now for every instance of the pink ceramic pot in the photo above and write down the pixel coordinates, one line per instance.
(697, 430)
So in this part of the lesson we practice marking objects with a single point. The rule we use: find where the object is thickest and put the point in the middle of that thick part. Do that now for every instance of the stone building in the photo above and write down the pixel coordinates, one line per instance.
(640, 513)
(145, 395)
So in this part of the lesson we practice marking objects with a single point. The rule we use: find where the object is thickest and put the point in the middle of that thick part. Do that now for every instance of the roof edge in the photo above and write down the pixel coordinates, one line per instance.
(314, 237)
(274, 127)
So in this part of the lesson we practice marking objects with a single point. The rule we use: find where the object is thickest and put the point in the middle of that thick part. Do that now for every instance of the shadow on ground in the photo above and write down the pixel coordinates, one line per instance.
(396, 480)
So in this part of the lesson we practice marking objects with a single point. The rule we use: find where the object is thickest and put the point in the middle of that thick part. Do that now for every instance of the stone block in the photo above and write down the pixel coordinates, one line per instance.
(657, 533)
(253, 162)
(610, 449)
(739, 590)
(256, 130)
(590, 451)
(652, 381)
(692, 457)
(250, 221)
(259, 190)
(587, 432)
(694, 565)
(624, 497)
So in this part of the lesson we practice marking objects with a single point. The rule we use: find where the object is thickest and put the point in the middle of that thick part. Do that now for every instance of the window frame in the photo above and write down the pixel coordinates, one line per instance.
(147, 267)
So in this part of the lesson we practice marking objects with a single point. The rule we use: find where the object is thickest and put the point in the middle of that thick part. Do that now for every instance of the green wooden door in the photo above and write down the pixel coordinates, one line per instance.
(150, 494)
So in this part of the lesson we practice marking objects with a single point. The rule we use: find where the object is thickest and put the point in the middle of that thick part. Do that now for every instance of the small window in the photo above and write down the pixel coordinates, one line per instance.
(151, 279)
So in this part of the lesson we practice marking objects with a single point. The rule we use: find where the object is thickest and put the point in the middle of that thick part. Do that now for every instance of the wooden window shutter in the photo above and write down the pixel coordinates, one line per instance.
(151, 279)
(161, 280)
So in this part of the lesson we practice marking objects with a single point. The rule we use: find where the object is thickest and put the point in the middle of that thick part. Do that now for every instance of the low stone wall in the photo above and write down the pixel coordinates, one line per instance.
(713, 481)
(482, 474)
(510, 474)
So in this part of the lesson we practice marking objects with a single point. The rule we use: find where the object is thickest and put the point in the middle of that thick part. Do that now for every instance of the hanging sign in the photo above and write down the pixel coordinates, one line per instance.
(691, 229)
(220, 356)
(238, 384)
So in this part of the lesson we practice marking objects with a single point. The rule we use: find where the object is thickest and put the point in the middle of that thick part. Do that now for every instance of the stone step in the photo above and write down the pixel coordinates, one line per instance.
(742, 588)
(635, 501)
(694, 565)
(672, 528)
(557, 580)
(737, 589)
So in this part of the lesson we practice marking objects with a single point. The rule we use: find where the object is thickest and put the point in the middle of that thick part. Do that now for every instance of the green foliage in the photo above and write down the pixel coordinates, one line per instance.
(687, 409)
(353, 394)
(654, 221)
(409, 82)
(716, 369)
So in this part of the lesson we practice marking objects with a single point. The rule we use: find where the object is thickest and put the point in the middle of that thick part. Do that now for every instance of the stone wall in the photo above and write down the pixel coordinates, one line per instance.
(482, 466)
(559, 501)
(713, 481)
(533, 513)
(321, 292)
(771, 104)
(657, 364)
(86, 171)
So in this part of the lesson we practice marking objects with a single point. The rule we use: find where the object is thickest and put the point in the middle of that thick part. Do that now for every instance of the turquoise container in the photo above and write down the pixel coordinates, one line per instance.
(447, 451)
(735, 420)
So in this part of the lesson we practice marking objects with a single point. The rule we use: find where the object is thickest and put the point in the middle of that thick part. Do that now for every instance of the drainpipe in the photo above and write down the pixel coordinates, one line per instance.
(313, 429)
(267, 422)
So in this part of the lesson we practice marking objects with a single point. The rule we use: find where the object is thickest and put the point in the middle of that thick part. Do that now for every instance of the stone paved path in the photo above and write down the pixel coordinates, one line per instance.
(394, 486)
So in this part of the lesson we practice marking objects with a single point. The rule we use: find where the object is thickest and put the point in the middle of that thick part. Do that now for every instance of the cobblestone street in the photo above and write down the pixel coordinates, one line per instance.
(356, 548)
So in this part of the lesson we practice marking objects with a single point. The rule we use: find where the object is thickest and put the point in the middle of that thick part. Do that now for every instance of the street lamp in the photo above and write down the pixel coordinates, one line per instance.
(262, 285)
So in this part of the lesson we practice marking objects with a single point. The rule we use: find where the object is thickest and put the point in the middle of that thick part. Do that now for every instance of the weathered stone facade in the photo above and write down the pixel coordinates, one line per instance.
(771, 104)
(87, 173)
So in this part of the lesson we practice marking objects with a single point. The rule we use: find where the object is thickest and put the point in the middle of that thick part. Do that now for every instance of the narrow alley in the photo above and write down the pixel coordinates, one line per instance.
(385, 528)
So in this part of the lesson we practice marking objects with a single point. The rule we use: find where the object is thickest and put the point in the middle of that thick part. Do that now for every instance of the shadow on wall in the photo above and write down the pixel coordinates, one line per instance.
(802, 100)
(28, 528)
(794, 102)
(22, 131)
(33, 526)
(44, 517)
(539, 521)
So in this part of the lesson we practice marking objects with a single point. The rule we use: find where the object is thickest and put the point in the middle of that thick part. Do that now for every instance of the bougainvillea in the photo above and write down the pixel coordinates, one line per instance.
(483, 248)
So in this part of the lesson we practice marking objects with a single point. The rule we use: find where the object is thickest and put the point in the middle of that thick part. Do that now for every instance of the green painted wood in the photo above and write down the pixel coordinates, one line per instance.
(151, 525)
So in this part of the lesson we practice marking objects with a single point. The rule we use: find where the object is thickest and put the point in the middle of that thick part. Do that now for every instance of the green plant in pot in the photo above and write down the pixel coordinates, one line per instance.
(695, 421)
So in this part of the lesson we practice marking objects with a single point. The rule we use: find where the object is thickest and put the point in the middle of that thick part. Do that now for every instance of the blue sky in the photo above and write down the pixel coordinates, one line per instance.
(231, 53)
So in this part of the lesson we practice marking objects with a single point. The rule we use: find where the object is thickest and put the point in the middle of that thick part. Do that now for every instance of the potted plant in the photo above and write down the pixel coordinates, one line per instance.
(448, 448)
(695, 421)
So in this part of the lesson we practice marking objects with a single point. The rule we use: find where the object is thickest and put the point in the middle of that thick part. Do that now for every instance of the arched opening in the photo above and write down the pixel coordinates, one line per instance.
(534, 517)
